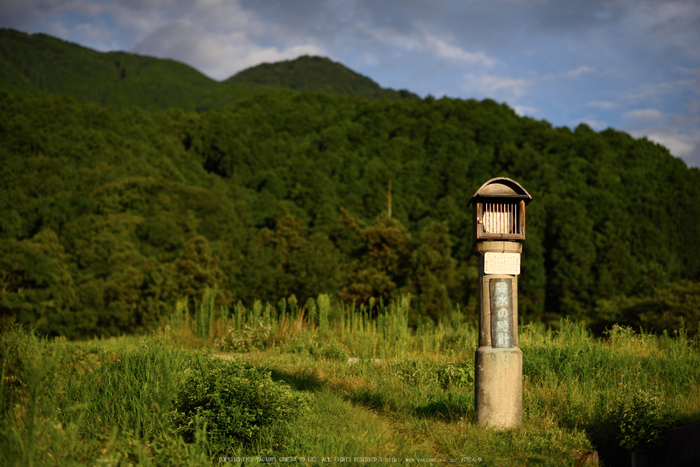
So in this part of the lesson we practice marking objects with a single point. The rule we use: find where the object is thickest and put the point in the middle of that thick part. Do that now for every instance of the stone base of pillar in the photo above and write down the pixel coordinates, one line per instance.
(499, 387)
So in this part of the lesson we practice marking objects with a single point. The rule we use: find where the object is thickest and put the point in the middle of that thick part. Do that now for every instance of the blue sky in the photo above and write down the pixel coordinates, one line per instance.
(633, 65)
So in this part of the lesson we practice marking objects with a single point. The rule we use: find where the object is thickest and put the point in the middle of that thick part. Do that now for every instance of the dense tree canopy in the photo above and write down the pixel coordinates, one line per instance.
(107, 217)
(109, 212)
(38, 62)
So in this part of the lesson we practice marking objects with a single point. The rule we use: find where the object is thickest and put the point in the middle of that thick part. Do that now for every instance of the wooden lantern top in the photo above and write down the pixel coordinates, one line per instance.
(502, 187)
(499, 208)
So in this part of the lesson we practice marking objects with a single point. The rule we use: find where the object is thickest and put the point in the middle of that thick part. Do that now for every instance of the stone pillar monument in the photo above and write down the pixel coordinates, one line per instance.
(499, 227)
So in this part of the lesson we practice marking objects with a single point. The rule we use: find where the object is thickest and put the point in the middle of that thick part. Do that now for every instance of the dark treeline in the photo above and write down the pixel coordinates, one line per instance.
(108, 216)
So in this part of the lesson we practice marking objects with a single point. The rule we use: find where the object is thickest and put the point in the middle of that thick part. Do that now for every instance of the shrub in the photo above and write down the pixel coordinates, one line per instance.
(330, 350)
(456, 376)
(244, 340)
(413, 372)
(231, 402)
(634, 419)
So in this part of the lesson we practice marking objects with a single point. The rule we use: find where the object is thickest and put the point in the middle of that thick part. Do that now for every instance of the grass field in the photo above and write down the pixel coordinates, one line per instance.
(319, 382)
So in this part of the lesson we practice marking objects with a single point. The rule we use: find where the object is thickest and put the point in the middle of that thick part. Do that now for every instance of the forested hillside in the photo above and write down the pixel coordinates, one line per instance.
(315, 74)
(109, 215)
(38, 62)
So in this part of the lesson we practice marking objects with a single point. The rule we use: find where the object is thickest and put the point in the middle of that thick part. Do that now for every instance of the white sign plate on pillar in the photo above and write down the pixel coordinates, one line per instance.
(502, 263)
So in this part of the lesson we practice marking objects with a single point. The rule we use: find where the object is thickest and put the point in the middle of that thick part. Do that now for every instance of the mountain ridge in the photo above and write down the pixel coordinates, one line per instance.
(314, 73)
(40, 62)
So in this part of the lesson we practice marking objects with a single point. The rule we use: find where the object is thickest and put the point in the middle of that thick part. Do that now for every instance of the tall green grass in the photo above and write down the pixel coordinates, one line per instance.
(376, 331)
(365, 383)
(617, 393)
(130, 401)
(65, 403)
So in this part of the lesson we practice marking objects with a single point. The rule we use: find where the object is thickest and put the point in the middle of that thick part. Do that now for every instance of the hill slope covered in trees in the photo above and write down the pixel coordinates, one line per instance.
(108, 216)
(315, 74)
(38, 62)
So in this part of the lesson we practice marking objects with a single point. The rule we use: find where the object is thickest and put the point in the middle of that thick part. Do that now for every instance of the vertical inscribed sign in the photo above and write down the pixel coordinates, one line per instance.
(501, 291)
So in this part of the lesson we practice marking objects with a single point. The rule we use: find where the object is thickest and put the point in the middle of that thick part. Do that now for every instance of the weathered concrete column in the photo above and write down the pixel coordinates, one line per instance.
(498, 391)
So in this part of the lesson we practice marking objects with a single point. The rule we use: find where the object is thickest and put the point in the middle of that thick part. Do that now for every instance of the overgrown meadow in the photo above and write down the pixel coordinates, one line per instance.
(320, 381)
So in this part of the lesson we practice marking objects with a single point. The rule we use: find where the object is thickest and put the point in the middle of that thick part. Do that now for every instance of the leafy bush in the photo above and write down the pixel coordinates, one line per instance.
(412, 372)
(250, 337)
(300, 344)
(457, 376)
(231, 402)
(330, 350)
(634, 419)
(415, 372)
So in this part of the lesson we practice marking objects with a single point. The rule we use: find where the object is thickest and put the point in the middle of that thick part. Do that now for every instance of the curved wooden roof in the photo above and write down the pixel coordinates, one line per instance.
(502, 187)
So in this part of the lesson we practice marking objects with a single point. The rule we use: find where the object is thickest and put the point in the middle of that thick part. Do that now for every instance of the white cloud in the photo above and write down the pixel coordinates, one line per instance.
(369, 59)
(680, 145)
(643, 114)
(420, 39)
(694, 82)
(446, 50)
(669, 22)
(595, 124)
(92, 32)
(522, 110)
(648, 90)
(272, 54)
(579, 71)
(217, 54)
(689, 71)
(495, 86)
(59, 30)
(690, 118)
